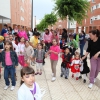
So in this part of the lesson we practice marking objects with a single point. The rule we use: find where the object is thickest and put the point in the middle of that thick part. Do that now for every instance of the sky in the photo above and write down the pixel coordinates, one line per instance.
(42, 7)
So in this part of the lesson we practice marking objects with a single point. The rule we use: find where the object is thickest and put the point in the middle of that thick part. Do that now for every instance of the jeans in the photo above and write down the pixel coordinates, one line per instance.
(47, 46)
(9, 70)
(81, 49)
(95, 68)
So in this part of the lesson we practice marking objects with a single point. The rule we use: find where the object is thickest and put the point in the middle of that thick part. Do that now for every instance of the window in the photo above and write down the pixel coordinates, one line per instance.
(22, 18)
(23, 1)
(98, 17)
(97, 6)
(93, 0)
(94, 7)
(21, 8)
(91, 21)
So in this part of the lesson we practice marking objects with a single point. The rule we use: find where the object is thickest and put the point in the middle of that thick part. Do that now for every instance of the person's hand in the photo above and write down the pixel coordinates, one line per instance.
(0, 50)
(45, 55)
(20, 52)
(50, 51)
(96, 55)
(16, 66)
(83, 58)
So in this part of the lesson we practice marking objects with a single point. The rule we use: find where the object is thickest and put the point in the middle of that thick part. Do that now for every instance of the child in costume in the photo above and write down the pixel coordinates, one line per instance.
(66, 61)
(75, 65)
(84, 70)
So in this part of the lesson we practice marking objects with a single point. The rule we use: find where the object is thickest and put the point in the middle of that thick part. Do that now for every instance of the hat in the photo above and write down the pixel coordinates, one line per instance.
(5, 34)
(68, 47)
(1, 38)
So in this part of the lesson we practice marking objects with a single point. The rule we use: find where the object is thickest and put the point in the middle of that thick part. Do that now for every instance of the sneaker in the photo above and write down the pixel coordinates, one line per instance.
(12, 88)
(66, 77)
(80, 77)
(90, 85)
(40, 73)
(61, 75)
(6, 87)
(53, 79)
(36, 73)
(72, 75)
(77, 78)
(94, 80)
(84, 81)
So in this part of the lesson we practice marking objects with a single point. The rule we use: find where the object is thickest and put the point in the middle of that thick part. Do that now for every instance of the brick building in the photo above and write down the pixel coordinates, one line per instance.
(15, 12)
(60, 24)
(93, 19)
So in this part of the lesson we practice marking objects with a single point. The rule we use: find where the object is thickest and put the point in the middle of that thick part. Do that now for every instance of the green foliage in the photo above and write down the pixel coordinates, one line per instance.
(74, 9)
(49, 19)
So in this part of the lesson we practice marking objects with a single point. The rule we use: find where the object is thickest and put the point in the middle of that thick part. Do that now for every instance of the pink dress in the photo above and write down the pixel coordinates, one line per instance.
(23, 34)
(55, 49)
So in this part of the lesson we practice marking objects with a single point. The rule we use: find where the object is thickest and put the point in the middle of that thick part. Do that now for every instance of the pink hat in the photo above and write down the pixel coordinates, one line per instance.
(5, 35)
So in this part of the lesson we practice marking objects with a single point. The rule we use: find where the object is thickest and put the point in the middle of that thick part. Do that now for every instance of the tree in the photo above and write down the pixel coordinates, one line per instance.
(42, 25)
(49, 19)
(74, 9)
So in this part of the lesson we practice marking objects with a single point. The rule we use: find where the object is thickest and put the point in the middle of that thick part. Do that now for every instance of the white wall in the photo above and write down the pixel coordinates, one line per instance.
(5, 8)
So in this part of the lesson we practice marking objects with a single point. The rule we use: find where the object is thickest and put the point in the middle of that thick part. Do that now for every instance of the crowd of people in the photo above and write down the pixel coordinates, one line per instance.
(23, 47)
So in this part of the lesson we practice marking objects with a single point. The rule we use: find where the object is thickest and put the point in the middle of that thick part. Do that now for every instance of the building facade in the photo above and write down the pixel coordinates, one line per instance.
(93, 18)
(68, 25)
(15, 12)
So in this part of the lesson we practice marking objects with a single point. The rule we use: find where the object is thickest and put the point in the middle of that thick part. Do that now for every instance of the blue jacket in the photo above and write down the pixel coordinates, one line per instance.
(3, 31)
(13, 56)
(82, 39)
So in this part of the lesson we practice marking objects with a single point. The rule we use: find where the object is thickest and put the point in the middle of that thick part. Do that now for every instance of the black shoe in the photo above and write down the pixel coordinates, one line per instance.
(84, 81)
(61, 75)
(80, 77)
(66, 77)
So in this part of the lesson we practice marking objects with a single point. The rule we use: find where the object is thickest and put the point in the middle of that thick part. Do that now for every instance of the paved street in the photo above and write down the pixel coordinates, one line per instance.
(61, 89)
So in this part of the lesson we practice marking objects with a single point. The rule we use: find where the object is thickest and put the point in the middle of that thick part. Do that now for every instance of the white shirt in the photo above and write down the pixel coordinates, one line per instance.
(21, 47)
(31, 34)
(15, 46)
(24, 93)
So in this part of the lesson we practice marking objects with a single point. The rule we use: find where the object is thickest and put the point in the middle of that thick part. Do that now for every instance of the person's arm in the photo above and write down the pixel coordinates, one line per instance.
(88, 50)
(16, 59)
(25, 55)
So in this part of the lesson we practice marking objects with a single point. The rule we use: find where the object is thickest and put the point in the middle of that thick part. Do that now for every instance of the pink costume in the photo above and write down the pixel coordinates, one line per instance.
(23, 34)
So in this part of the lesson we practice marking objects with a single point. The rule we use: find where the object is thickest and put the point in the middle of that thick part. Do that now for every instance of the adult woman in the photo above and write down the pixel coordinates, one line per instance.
(94, 50)
(82, 42)
(64, 34)
(47, 38)
(10, 30)
(15, 29)
(55, 36)
(30, 33)
(22, 33)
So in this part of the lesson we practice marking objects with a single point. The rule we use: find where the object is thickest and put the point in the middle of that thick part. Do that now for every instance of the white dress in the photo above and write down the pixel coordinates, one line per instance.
(24, 93)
